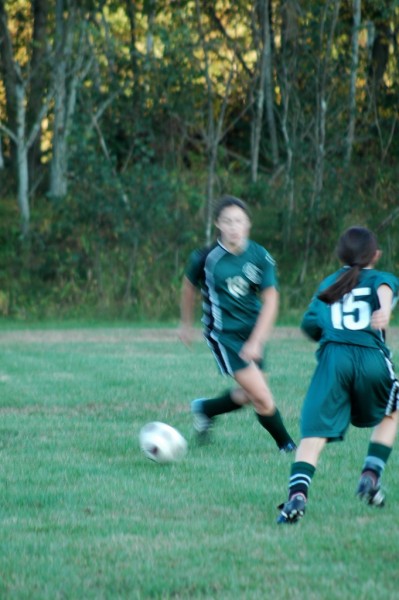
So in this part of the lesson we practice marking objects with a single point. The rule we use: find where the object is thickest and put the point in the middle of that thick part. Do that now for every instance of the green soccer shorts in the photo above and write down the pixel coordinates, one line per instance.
(226, 351)
(351, 384)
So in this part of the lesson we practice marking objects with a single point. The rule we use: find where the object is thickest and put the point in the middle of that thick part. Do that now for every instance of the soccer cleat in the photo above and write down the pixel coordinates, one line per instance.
(369, 490)
(287, 448)
(201, 422)
(293, 510)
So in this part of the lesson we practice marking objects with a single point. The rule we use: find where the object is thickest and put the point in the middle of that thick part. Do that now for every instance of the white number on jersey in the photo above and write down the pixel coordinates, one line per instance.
(354, 312)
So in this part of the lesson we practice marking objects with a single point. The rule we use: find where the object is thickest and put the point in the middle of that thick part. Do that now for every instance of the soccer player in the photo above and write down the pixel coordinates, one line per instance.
(237, 280)
(354, 381)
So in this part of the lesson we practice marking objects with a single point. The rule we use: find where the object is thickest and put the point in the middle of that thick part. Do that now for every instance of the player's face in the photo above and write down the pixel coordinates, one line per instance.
(234, 226)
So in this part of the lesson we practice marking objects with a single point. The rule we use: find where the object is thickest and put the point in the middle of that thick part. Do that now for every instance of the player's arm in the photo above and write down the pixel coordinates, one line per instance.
(310, 322)
(253, 348)
(187, 304)
(381, 317)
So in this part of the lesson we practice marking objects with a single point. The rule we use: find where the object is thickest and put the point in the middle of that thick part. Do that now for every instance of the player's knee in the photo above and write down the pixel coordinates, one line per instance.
(264, 405)
(240, 397)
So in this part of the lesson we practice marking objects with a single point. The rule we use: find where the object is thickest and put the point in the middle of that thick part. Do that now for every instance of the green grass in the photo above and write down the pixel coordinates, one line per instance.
(85, 515)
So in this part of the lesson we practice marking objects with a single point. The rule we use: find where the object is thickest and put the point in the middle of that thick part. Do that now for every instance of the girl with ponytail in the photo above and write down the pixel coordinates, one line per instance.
(354, 381)
(357, 248)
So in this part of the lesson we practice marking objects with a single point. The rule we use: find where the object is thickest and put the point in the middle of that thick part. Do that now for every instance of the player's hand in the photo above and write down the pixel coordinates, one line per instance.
(380, 318)
(252, 350)
(186, 334)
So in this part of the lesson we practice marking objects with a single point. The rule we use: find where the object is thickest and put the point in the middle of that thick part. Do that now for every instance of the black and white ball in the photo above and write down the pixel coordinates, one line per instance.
(162, 443)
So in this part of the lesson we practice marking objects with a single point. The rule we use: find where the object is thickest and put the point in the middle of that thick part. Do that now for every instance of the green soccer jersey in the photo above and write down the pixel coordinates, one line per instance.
(230, 286)
(348, 320)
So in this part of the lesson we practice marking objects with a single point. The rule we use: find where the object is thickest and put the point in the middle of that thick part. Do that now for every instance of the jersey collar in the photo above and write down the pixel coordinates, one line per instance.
(233, 253)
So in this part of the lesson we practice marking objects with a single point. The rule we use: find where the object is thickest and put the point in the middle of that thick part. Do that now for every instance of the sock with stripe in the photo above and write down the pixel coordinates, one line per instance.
(377, 457)
(220, 405)
(300, 479)
(275, 426)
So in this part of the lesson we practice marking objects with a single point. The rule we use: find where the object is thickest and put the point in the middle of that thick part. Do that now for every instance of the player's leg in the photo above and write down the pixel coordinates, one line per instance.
(376, 397)
(325, 416)
(378, 453)
(253, 382)
(385, 432)
(302, 472)
(205, 410)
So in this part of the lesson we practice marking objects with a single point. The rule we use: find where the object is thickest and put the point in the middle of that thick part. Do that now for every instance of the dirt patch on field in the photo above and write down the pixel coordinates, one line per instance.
(126, 335)
(111, 335)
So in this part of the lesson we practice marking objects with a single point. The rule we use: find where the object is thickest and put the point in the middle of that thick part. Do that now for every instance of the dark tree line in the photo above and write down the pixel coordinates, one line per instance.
(122, 122)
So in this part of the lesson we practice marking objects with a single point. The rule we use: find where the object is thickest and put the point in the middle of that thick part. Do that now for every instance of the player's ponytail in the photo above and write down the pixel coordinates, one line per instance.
(342, 286)
(356, 249)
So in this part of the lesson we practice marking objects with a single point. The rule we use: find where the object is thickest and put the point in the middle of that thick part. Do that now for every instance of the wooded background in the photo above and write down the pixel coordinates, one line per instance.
(122, 122)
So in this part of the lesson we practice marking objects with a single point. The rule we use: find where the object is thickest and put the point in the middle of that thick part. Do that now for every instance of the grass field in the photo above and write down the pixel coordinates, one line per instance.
(84, 515)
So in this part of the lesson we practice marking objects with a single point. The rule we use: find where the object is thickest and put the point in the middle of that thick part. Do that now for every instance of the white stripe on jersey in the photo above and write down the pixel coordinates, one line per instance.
(222, 358)
(211, 260)
(393, 401)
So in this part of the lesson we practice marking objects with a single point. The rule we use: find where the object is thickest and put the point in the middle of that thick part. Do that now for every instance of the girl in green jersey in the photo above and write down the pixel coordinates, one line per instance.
(238, 284)
(354, 381)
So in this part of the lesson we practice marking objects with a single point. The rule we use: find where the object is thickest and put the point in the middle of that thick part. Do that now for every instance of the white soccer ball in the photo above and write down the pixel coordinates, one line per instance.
(162, 443)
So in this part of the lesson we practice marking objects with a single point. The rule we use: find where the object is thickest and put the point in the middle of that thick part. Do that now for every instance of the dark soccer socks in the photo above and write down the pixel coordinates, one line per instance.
(294, 509)
(368, 490)
(212, 407)
(369, 487)
(275, 426)
(300, 479)
(377, 457)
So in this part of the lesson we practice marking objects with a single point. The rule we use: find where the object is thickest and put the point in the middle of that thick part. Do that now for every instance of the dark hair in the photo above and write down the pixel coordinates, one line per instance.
(356, 248)
(227, 201)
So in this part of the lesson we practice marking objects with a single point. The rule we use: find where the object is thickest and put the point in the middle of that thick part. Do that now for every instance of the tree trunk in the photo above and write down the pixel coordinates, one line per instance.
(379, 56)
(289, 179)
(58, 182)
(259, 104)
(210, 190)
(357, 9)
(1, 154)
(130, 273)
(9, 76)
(214, 133)
(290, 117)
(269, 87)
(265, 94)
(131, 13)
(16, 126)
(68, 75)
(290, 11)
(38, 80)
(22, 161)
(320, 131)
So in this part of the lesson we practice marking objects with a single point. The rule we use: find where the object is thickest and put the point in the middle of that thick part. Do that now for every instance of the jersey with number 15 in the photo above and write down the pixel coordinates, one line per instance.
(348, 320)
